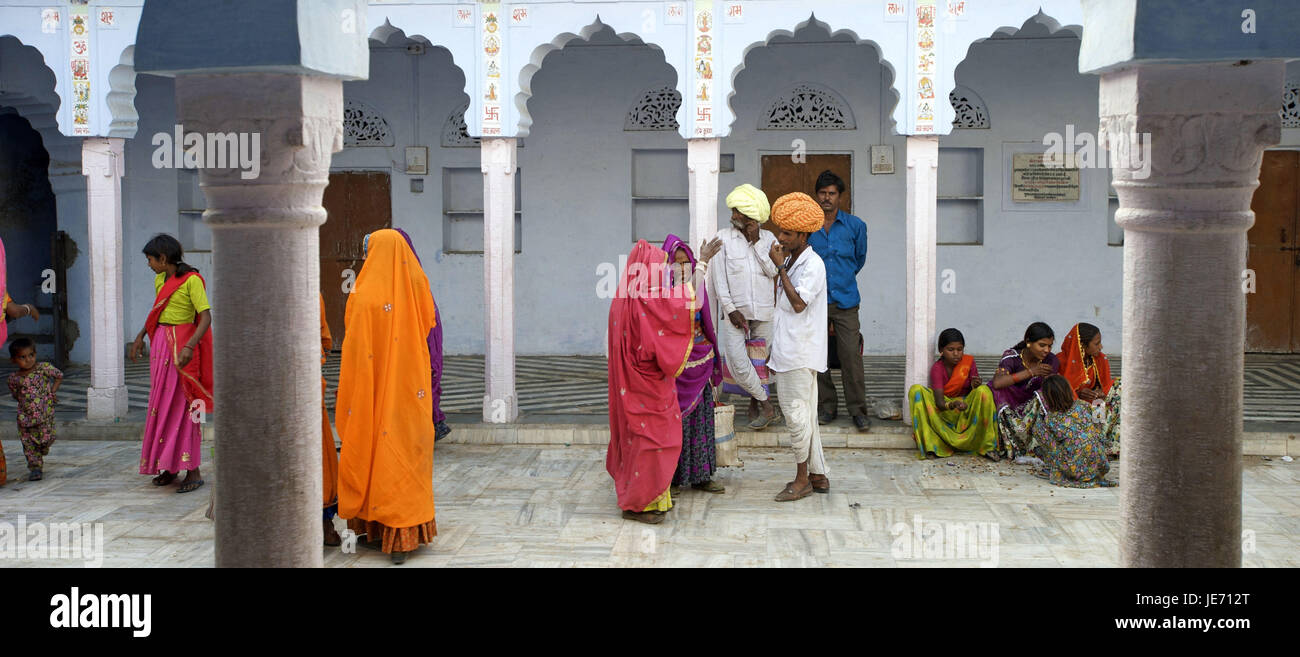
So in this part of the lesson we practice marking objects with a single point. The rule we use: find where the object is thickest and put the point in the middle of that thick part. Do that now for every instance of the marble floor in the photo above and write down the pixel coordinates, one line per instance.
(518, 506)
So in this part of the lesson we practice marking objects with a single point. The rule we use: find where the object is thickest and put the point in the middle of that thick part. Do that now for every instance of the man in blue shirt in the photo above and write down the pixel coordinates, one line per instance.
(842, 245)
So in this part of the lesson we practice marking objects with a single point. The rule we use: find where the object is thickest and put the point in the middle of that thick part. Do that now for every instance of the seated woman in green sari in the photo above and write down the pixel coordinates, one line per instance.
(1072, 443)
(956, 412)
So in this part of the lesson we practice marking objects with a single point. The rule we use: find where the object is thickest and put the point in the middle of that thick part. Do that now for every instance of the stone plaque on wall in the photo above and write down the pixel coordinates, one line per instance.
(1033, 181)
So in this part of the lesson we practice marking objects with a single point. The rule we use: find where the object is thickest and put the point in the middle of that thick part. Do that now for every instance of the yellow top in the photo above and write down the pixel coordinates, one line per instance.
(189, 300)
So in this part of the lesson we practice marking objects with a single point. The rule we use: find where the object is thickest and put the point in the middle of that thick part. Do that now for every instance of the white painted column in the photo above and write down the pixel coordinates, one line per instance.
(103, 165)
(922, 260)
(1185, 221)
(702, 161)
(500, 404)
(266, 262)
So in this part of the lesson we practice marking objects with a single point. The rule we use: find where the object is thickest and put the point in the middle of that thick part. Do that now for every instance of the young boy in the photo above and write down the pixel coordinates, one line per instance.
(34, 386)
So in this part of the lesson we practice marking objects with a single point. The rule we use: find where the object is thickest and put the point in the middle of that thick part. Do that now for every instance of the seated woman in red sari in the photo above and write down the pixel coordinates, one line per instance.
(650, 340)
(956, 411)
(1087, 370)
(698, 461)
(180, 367)
(1015, 387)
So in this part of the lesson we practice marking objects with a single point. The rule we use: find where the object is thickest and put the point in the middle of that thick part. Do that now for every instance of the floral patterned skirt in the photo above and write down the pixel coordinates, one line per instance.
(1016, 427)
(698, 461)
(403, 539)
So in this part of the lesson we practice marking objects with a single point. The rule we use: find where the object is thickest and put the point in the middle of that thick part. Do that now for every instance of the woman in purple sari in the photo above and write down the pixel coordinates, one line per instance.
(435, 354)
(1016, 386)
(702, 371)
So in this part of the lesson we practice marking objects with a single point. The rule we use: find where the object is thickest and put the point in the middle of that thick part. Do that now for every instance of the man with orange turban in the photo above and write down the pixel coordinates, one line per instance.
(799, 338)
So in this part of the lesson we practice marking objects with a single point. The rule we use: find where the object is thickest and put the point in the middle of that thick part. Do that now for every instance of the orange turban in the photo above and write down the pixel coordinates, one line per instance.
(798, 212)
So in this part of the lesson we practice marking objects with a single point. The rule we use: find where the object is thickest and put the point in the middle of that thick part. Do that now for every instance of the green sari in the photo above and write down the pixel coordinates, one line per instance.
(943, 432)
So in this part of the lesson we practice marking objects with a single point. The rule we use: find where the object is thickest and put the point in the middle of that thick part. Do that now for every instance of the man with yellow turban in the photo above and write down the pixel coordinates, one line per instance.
(799, 338)
(745, 294)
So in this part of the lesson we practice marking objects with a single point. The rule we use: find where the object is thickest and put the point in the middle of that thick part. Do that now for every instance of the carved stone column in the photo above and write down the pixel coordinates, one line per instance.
(922, 260)
(702, 162)
(1185, 221)
(265, 247)
(498, 163)
(103, 165)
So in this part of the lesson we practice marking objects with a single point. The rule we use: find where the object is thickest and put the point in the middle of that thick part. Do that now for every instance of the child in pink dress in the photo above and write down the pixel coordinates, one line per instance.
(34, 386)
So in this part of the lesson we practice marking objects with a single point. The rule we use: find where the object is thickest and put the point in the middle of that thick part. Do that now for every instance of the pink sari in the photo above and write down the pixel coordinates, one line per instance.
(171, 436)
(649, 340)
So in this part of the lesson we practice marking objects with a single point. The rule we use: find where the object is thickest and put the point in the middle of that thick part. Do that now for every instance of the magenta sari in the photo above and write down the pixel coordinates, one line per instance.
(704, 365)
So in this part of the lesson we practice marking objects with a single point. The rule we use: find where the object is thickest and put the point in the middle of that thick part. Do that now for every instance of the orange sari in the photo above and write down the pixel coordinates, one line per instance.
(329, 454)
(384, 409)
(1078, 374)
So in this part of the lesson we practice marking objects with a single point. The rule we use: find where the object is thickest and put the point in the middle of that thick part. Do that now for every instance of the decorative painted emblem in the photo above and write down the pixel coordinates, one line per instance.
(925, 39)
(704, 45)
(704, 21)
(925, 16)
(80, 69)
(925, 88)
(492, 91)
(491, 45)
(704, 68)
(79, 25)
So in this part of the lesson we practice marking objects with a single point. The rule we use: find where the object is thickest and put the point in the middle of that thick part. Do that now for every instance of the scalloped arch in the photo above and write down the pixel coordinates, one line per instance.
(539, 54)
(121, 96)
(39, 105)
(817, 24)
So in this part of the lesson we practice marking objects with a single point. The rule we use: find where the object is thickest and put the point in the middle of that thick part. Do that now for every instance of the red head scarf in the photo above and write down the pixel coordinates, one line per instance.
(1074, 370)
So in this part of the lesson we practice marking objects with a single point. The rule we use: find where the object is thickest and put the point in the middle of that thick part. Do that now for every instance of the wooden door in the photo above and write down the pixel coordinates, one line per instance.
(781, 175)
(1272, 320)
(357, 203)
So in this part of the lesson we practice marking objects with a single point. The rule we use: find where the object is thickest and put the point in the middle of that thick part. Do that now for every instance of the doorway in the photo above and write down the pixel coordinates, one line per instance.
(1272, 320)
(782, 175)
(357, 203)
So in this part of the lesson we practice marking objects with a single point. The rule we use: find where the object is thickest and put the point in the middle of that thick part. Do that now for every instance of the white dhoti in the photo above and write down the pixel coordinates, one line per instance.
(737, 356)
(798, 400)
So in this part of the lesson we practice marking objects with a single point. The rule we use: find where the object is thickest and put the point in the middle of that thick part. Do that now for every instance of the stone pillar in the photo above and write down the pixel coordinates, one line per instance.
(702, 158)
(922, 260)
(1185, 221)
(499, 403)
(265, 247)
(103, 165)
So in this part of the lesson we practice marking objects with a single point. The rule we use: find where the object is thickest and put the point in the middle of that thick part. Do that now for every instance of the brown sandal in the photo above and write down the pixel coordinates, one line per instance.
(648, 517)
(820, 483)
(791, 493)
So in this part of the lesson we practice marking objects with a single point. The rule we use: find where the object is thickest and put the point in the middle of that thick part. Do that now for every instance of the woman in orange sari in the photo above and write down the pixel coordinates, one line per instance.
(384, 408)
(650, 339)
(1087, 370)
(180, 367)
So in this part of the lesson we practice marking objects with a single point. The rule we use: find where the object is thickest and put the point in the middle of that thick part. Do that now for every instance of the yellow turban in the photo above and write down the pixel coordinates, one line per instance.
(798, 212)
(751, 201)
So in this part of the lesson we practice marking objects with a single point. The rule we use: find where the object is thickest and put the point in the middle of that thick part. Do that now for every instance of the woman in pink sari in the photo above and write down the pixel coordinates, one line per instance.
(650, 340)
(12, 311)
(698, 461)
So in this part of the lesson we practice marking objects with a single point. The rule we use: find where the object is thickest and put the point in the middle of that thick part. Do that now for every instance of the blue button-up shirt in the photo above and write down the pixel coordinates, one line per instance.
(844, 250)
